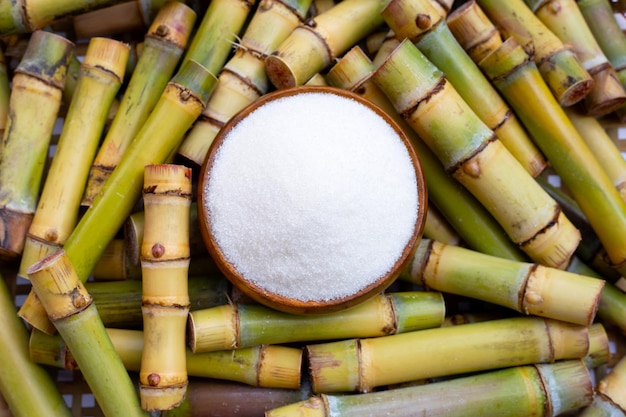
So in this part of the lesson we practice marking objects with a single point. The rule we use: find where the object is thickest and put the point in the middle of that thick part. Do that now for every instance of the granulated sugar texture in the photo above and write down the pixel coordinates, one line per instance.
(312, 196)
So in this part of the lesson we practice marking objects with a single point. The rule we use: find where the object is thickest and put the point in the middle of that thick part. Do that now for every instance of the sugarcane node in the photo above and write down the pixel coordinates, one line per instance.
(423, 21)
(158, 250)
(80, 300)
(265, 5)
(162, 31)
(310, 23)
(13, 229)
(51, 235)
(554, 8)
(472, 168)
(185, 94)
(533, 298)
(154, 379)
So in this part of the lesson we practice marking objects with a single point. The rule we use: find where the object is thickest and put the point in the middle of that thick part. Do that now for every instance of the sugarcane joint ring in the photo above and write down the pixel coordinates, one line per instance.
(311, 200)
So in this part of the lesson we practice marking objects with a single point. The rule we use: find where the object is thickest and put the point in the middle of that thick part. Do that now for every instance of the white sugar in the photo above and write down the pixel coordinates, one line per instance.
(312, 196)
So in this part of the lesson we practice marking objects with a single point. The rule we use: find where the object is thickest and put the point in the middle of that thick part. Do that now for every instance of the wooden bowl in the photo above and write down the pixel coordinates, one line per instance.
(285, 301)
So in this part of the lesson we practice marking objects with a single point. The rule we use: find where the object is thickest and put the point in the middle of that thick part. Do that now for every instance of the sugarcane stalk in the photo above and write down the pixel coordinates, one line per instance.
(602, 146)
(113, 20)
(179, 105)
(29, 390)
(517, 78)
(100, 78)
(269, 366)
(119, 302)
(566, 77)
(543, 389)
(471, 152)
(599, 347)
(610, 399)
(390, 43)
(475, 225)
(162, 50)
(565, 20)
(438, 228)
(5, 92)
(418, 21)
(214, 398)
(243, 79)
(165, 294)
(525, 287)
(443, 7)
(313, 46)
(34, 104)
(71, 309)
(364, 364)
(476, 34)
(214, 38)
(114, 264)
(240, 326)
(21, 17)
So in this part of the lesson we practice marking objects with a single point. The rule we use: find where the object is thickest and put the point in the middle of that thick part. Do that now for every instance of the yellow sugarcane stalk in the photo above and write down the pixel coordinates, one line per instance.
(431, 106)
(165, 294)
(312, 46)
(101, 75)
(559, 66)
(163, 46)
(525, 287)
(71, 309)
(35, 100)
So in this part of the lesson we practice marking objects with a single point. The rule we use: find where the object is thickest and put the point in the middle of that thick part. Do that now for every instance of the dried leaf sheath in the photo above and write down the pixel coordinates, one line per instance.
(165, 293)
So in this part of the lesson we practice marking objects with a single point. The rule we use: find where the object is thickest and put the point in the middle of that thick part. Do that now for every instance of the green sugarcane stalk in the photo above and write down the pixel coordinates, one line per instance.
(364, 364)
(243, 79)
(214, 38)
(236, 326)
(438, 228)
(525, 287)
(162, 50)
(516, 76)
(34, 104)
(269, 366)
(100, 77)
(468, 151)
(545, 389)
(474, 224)
(71, 309)
(418, 21)
(314, 45)
(565, 20)
(19, 17)
(179, 106)
(565, 76)
(28, 388)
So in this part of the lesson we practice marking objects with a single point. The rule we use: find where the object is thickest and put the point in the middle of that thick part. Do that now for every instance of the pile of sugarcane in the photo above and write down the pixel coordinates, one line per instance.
(513, 305)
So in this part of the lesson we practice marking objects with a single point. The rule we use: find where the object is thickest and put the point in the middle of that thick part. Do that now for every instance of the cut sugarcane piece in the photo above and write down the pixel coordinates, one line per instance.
(517, 78)
(559, 66)
(179, 105)
(100, 77)
(214, 37)
(20, 17)
(390, 43)
(29, 390)
(443, 7)
(363, 364)
(114, 264)
(469, 218)
(515, 392)
(162, 49)
(165, 294)
(36, 92)
(240, 326)
(312, 46)
(109, 21)
(478, 160)
(612, 307)
(476, 34)
(599, 346)
(565, 20)
(243, 79)
(525, 287)
(270, 366)
(418, 21)
(602, 146)
(71, 309)
(610, 393)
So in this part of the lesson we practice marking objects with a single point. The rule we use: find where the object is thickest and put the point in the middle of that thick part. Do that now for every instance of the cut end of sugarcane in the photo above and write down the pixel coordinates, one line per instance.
(568, 385)
(566, 77)
(279, 72)
(33, 313)
(554, 245)
(13, 230)
(173, 23)
(607, 94)
(162, 398)
(280, 367)
(474, 31)
(109, 55)
(46, 58)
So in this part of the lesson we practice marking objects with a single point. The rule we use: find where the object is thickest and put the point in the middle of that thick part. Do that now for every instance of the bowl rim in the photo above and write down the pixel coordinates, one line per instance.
(279, 301)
